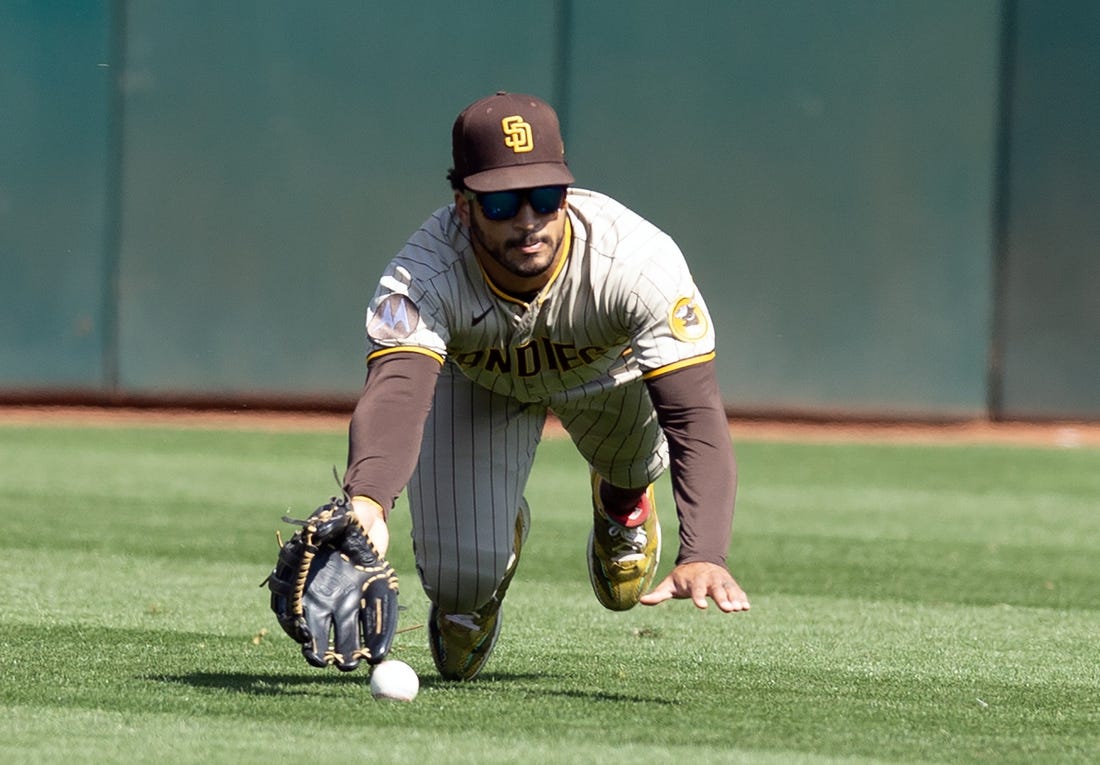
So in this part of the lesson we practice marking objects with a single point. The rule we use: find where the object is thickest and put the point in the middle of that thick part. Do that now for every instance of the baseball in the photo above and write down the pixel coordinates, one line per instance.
(394, 680)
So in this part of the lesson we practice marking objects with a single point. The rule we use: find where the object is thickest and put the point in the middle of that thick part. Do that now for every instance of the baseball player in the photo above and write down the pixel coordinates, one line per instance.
(522, 297)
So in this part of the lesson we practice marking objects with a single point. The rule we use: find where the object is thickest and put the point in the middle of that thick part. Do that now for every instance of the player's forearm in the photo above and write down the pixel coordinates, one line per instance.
(704, 472)
(387, 426)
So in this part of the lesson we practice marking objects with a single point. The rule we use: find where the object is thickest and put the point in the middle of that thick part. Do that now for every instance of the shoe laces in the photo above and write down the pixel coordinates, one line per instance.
(627, 543)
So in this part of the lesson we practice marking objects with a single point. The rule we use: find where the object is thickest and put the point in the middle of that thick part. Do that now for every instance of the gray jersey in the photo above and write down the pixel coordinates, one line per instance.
(622, 305)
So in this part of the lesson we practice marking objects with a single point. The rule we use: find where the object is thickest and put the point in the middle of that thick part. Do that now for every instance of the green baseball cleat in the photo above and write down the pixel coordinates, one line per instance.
(462, 643)
(622, 560)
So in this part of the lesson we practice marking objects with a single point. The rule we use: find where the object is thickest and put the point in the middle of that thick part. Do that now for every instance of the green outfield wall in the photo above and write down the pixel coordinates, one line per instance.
(890, 205)
(1048, 324)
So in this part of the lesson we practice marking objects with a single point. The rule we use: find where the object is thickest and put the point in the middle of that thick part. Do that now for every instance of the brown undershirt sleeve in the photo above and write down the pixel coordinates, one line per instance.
(388, 425)
(704, 471)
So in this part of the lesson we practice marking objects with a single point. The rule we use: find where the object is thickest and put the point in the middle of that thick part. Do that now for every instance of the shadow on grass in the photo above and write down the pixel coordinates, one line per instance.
(251, 684)
(255, 684)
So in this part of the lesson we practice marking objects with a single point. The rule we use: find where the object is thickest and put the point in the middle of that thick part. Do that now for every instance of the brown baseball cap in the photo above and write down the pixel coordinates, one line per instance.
(509, 141)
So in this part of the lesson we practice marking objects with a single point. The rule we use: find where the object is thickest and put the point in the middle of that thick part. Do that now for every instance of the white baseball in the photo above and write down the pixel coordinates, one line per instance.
(395, 681)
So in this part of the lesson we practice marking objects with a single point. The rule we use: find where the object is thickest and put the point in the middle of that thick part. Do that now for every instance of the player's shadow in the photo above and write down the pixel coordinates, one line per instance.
(252, 684)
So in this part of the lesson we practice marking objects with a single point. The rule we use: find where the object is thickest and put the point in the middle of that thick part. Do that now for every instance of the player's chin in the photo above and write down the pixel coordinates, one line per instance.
(529, 266)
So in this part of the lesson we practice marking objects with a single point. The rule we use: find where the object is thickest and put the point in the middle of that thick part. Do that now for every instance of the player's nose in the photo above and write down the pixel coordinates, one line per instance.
(526, 218)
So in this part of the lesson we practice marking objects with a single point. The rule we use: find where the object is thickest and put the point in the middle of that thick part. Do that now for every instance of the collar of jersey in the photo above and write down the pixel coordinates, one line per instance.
(566, 245)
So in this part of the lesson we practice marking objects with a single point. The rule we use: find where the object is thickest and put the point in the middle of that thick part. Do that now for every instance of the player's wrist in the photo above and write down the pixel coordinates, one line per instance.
(372, 517)
(364, 500)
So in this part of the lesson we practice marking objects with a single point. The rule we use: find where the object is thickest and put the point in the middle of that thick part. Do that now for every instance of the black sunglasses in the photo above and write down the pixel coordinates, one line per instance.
(504, 205)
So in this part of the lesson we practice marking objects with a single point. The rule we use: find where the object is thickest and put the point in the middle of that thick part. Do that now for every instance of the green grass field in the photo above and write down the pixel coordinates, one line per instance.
(932, 604)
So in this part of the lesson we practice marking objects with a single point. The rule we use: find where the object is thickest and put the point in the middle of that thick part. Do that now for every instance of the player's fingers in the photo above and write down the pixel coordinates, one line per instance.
(730, 597)
(666, 590)
(700, 590)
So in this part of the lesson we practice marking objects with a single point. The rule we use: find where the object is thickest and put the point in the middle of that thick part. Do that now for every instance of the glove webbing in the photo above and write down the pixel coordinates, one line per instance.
(303, 574)
(309, 528)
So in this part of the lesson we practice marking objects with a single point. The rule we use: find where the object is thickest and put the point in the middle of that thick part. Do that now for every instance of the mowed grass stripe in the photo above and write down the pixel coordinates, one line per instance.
(962, 678)
(945, 638)
(93, 737)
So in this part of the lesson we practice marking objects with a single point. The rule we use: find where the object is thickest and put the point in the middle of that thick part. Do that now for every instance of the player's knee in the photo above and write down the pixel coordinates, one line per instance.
(460, 590)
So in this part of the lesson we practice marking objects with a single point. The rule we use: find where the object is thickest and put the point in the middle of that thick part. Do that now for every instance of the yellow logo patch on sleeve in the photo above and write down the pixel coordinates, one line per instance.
(688, 320)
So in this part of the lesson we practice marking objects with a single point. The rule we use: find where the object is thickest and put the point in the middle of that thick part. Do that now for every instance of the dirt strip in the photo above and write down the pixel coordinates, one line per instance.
(1061, 434)
(245, 419)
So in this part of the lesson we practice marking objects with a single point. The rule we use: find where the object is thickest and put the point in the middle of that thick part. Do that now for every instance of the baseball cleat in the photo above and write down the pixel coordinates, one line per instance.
(622, 560)
(462, 643)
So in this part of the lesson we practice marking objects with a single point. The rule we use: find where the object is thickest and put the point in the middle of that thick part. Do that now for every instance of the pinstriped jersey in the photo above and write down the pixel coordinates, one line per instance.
(622, 305)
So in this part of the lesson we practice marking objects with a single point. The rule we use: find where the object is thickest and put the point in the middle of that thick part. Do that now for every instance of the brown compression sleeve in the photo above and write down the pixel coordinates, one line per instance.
(704, 471)
(388, 425)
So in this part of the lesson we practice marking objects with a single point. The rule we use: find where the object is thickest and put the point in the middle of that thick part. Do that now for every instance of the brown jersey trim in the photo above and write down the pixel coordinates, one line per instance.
(387, 425)
(704, 471)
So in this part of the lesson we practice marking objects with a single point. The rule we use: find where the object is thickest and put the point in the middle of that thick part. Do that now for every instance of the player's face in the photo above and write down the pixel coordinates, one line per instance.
(518, 251)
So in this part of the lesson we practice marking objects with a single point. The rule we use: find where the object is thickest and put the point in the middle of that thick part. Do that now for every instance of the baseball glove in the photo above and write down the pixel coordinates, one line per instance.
(329, 578)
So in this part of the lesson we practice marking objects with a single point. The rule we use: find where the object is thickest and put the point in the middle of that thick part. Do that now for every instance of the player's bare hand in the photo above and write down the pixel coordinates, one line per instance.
(699, 581)
(373, 520)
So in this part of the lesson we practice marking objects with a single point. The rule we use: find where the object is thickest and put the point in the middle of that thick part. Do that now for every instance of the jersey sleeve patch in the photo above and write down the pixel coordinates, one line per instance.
(395, 318)
(688, 320)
